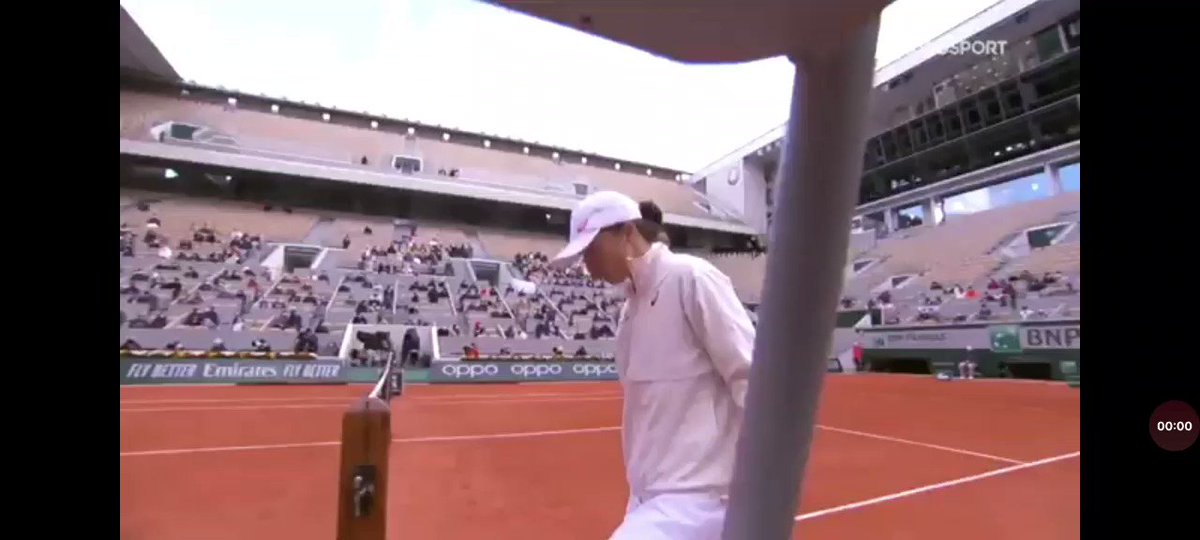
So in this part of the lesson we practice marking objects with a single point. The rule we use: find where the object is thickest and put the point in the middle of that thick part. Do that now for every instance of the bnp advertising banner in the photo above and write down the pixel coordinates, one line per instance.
(230, 371)
(470, 371)
(936, 338)
(1002, 338)
(1016, 339)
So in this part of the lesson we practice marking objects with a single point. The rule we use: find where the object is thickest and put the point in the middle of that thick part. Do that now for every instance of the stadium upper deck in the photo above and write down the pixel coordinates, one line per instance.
(946, 123)
(207, 119)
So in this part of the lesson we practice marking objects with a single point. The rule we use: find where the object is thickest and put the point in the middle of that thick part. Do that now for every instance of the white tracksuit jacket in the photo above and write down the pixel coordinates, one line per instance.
(683, 354)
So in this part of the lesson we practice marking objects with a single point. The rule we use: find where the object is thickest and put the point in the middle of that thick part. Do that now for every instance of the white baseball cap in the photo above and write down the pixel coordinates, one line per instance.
(596, 211)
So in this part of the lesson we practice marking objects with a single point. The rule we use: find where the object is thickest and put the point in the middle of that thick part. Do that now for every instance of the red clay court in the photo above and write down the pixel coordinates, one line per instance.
(894, 457)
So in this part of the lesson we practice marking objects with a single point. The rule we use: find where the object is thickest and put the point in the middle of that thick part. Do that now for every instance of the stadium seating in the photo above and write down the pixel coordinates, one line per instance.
(181, 214)
(334, 144)
(452, 346)
(249, 304)
(505, 245)
(747, 272)
(956, 251)
(960, 251)
(1062, 257)
(441, 233)
(192, 339)
(964, 250)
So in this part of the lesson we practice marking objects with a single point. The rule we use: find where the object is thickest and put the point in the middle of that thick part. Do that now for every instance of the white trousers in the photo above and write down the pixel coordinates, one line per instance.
(673, 516)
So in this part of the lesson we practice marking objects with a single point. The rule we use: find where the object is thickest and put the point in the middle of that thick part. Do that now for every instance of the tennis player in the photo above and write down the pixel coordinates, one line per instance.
(683, 356)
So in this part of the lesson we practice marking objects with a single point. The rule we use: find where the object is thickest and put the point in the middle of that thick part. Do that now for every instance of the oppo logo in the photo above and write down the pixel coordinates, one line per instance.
(535, 370)
(500, 371)
(594, 370)
(459, 371)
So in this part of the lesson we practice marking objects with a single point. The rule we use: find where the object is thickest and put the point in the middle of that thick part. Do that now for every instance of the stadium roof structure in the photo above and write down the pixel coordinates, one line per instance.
(709, 31)
(906, 79)
(139, 56)
(833, 46)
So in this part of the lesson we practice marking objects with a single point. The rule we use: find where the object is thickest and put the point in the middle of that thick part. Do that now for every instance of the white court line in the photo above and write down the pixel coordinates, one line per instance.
(446, 438)
(230, 400)
(517, 435)
(980, 380)
(935, 487)
(349, 401)
(918, 443)
(235, 408)
(537, 434)
(176, 451)
(482, 397)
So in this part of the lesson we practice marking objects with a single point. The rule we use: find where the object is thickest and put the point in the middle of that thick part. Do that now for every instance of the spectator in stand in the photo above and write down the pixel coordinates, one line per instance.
(307, 342)
(131, 345)
(1026, 313)
(210, 317)
(471, 351)
(558, 353)
(1008, 296)
(260, 345)
(292, 320)
(159, 321)
(193, 318)
(985, 312)
(218, 345)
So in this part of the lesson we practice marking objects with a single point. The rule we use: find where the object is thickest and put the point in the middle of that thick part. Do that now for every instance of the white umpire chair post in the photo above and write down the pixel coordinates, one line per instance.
(817, 189)
(832, 45)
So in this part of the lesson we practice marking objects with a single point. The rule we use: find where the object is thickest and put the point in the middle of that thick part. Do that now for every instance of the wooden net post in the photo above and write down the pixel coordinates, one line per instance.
(363, 473)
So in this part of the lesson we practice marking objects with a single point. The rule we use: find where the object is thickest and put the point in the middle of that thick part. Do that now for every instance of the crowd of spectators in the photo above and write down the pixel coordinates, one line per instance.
(408, 257)
(471, 352)
(204, 245)
(1000, 295)
(224, 298)
(536, 268)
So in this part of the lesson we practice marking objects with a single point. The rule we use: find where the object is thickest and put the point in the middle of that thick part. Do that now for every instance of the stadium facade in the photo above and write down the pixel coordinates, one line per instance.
(947, 120)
